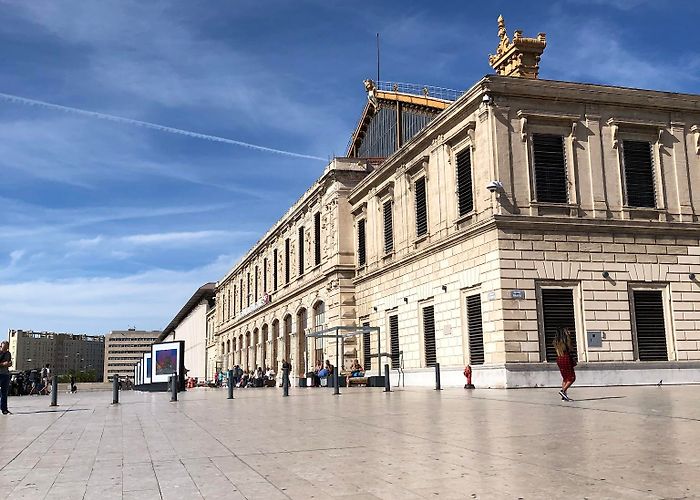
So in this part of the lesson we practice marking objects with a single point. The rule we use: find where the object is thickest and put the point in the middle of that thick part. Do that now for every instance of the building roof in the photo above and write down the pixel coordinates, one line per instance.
(204, 292)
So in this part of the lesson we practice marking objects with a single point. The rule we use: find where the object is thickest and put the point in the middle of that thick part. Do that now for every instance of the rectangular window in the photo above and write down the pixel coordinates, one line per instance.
(476, 330)
(429, 335)
(388, 227)
(248, 289)
(274, 270)
(361, 250)
(650, 325)
(366, 348)
(234, 300)
(301, 250)
(421, 208)
(255, 297)
(394, 340)
(317, 238)
(241, 295)
(286, 261)
(265, 275)
(550, 168)
(465, 194)
(558, 312)
(228, 303)
(639, 174)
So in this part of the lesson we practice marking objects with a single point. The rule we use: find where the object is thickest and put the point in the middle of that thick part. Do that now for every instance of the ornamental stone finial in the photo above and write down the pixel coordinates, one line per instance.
(521, 57)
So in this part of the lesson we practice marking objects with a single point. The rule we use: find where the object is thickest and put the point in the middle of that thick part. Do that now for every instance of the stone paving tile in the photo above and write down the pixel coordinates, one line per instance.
(613, 443)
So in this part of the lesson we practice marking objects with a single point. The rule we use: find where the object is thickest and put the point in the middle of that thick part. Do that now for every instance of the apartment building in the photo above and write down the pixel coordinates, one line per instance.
(125, 348)
(63, 351)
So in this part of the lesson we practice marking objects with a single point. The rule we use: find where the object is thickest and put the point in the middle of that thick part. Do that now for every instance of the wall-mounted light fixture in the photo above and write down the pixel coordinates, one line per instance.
(444, 288)
(405, 300)
(691, 276)
(606, 274)
(375, 308)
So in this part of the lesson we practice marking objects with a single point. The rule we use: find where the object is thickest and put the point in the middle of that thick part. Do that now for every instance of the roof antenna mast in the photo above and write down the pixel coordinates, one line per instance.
(377, 57)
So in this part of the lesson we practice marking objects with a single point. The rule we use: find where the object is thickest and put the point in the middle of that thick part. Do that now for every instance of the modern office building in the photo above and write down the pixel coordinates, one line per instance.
(63, 351)
(125, 348)
(190, 325)
(477, 224)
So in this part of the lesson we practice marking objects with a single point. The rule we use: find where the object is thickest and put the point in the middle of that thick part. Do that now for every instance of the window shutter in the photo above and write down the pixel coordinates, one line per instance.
(476, 330)
(649, 322)
(388, 228)
(361, 252)
(366, 349)
(558, 311)
(274, 270)
(394, 340)
(429, 335)
(639, 174)
(317, 238)
(550, 168)
(421, 208)
(286, 261)
(465, 195)
(301, 250)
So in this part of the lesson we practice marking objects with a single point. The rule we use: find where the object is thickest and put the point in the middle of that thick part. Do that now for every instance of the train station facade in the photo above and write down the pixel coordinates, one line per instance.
(470, 226)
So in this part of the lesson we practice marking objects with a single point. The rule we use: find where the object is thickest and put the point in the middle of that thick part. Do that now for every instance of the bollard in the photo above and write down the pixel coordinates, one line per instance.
(173, 388)
(387, 382)
(54, 390)
(230, 384)
(115, 390)
(285, 381)
(468, 374)
(437, 377)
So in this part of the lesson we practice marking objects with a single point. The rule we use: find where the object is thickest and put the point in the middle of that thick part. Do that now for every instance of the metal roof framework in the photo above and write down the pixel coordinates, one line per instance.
(344, 332)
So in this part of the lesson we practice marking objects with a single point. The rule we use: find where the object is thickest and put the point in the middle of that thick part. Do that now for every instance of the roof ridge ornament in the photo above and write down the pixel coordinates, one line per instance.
(371, 89)
(520, 57)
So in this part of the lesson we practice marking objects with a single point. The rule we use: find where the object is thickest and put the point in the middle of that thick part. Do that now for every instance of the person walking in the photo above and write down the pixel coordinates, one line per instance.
(566, 361)
(5, 364)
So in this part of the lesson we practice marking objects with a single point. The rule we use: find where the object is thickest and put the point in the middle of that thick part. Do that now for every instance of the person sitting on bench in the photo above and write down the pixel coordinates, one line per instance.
(355, 371)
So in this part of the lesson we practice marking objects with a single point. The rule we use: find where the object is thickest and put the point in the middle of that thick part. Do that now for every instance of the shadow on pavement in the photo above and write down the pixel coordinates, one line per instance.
(598, 399)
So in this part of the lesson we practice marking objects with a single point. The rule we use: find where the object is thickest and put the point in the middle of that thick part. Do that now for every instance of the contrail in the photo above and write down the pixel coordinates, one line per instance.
(154, 126)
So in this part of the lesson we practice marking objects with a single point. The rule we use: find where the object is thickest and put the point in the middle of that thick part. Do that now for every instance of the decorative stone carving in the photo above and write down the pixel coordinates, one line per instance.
(695, 129)
(521, 57)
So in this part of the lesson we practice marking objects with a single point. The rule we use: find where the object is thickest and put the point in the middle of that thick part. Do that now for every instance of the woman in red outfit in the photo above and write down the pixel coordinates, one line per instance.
(565, 360)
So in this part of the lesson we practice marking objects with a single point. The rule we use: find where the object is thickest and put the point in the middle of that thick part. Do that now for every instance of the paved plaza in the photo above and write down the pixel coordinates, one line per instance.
(614, 442)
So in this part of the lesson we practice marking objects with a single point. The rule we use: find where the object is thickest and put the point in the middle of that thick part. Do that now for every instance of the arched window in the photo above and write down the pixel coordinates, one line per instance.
(319, 324)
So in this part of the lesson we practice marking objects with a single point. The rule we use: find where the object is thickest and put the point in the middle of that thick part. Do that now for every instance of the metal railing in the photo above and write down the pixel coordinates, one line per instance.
(422, 90)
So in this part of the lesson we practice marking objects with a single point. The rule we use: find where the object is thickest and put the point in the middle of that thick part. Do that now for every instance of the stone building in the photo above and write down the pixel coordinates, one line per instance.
(125, 348)
(493, 218)
(190, 325)
(63, 351)
(297, 277)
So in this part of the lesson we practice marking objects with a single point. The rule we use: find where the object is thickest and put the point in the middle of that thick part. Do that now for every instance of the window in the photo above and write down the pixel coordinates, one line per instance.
(248, 289)
(550, 168)
(558, 312)
(639, 174)
(429, 335)
(286, 261)
(317, 238)
(228, 303)
(476, 330)
(361, 250)
(241, 295)
(366, 348)
(421, 208)
(465, 195)
(319, 320)
(394, 340)
(234, 300)
(649, 325)
(388, 227)
(256, 285)
(265, 275)
(301, 250)
(274, 270)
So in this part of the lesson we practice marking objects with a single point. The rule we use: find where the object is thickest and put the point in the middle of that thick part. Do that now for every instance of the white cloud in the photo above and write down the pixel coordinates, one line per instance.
(96, 305)
(179, 238)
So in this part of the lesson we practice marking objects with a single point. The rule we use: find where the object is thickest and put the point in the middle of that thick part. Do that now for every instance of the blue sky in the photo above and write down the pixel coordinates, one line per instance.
(107, 224)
